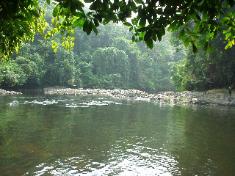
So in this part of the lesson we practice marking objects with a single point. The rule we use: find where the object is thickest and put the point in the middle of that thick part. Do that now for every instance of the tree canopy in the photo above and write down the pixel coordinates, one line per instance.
(21, 19)
(107, 60)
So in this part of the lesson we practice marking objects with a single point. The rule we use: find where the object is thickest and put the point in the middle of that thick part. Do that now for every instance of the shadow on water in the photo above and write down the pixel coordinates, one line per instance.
(66, 135)
(32, 92)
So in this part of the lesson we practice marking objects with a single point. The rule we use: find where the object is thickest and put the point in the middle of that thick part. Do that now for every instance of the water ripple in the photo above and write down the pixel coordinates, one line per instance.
(69, 103)
(133, 161)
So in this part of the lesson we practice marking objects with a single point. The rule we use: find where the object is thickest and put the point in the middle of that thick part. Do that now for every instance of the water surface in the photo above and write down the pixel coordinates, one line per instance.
(89, 136)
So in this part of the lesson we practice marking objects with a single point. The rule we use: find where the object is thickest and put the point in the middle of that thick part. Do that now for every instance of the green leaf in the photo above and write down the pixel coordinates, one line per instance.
(87, 27)
(141, 35)
(127, 24)
(148, 35)
(206, 45)
(139, 1)
(133, 38)
(95, 5)
(96, 22)
(134, 21)
(56, 11)
(194, 48)
(159, 36)
(154, 38)
(149, 43)
(79, 22)
(95, 30)
(142, 22)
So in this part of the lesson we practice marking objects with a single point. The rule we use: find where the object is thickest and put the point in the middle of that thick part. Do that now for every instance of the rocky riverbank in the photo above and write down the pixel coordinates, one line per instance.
(5, 92)
(213, 97)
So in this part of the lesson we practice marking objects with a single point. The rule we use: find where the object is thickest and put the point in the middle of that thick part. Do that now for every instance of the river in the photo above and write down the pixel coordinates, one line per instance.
(96, 136)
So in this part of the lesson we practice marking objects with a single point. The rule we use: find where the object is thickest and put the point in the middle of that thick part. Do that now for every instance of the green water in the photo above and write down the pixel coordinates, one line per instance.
(98, 136)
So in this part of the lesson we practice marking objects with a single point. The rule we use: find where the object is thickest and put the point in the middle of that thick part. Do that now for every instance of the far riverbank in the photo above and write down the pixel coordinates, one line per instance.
(211, 97)
(7, 92)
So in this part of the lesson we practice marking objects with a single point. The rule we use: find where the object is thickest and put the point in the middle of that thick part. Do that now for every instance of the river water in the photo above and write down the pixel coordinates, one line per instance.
(95, 136)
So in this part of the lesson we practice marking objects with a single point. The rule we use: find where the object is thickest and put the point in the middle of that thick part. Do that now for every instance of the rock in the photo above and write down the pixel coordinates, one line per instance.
(14, 103)
(186, 97)
(5, 92)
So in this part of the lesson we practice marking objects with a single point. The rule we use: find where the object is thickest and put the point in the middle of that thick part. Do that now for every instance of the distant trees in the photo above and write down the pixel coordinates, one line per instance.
(203, 70)
(111, 65)
(109, 60)
(31, 65)
(11, 75)
(112, 60)
(60, 69)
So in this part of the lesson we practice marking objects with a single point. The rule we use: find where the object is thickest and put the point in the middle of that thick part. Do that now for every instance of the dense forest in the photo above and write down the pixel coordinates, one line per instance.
(112, 60)
(107, 60)
(206, 70)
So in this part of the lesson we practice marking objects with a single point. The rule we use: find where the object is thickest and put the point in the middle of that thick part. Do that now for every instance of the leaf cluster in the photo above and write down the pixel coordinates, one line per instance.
(147, 19)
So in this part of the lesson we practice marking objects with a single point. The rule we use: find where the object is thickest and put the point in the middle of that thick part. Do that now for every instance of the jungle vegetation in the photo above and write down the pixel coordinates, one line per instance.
(107, 60)
(42, 44)
(148, 20)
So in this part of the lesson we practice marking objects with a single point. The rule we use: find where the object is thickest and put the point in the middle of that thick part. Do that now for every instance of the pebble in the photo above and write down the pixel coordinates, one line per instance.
(5, 92)
(185, 97)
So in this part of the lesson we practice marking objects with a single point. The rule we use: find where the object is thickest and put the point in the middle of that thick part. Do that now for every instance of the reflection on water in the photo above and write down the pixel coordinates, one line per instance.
(70, 103)
(134, 160)
(69, 135)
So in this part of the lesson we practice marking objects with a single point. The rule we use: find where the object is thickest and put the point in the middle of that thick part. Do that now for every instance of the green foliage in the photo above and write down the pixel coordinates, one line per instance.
(21, 20)
(60, 69)
(112, 60)
(11, 75)
(108, 60)
(203, 71)
(151, 17)
(229, 29)
(111, 63)
(32, 66)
